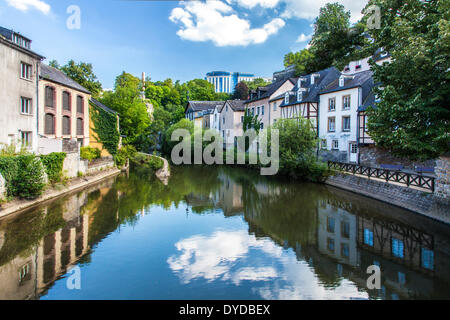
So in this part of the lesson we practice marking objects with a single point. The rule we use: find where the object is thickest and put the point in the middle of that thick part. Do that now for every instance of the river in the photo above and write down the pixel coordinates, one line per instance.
(220, 233)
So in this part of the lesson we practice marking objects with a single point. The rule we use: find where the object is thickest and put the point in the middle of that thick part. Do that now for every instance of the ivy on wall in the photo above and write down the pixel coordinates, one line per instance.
(105, 128)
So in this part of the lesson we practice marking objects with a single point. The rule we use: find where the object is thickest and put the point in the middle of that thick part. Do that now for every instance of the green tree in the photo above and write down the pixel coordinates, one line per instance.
(200, 90)
(297, 147)
(82, 73)
(334, 43)
(258, 82)
(168, 144)
(303, 61)
(126, 100)
(241, 91)
(412, 116)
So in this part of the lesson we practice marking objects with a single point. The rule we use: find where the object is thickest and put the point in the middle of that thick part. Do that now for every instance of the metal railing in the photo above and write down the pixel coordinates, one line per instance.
(406, 178)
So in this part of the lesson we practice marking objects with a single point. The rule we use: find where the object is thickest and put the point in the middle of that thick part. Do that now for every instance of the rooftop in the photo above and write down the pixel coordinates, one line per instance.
(55, 75)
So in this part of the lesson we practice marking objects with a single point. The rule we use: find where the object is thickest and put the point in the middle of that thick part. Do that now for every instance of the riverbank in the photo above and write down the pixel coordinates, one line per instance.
(74, 184)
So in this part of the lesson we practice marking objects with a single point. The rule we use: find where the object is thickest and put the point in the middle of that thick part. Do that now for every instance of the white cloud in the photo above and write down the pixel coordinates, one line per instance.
(303, 38)
(253, 3)
(216, 21)
(307, 9)
(237, 256)
(25, 5)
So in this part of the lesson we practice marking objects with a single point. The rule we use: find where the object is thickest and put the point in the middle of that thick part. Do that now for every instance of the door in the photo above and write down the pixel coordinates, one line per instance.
(353, 151)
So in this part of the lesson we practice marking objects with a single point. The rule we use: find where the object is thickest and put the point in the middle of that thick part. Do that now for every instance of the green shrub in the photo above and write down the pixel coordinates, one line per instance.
(90, 153)
(126, 152)
(53, 164)
(24, 176)
(149, 161)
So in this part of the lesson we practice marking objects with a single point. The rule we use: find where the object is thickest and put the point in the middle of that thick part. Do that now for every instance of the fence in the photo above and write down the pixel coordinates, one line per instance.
(405, 178)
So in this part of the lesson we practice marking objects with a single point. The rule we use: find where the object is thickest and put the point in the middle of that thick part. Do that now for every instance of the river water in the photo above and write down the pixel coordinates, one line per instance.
(220, 233)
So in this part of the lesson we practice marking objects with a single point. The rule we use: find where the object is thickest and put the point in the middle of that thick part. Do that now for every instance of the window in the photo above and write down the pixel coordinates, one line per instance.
(80, 127)
(346, 102)
(25, 105)
(262, 125)
(397, 248)
(330, 244)
(274, 106)
(257, 111)
(286, 98)
(24, 273)
(341, 81)
(66, 125)
(330, 224)
(299, 95)
(262, 110)
(366, 120)
(335, 144)
(49, 97)
(25, 71)
(332, 104)
(368, 237)
(427, 259)
(324, 143)
(66, 100)
(80, 108)
(358, 65)
(223, 120)
(354, 148)
(345, 229)
(253, 111)
(331, 124)
(242, 119)
(25, 137)
(345, 250)
(346, 123)
(49, 124)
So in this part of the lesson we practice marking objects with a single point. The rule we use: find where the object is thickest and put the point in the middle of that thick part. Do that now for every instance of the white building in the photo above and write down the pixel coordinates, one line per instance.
(224, 81)
(338, 115)
(19, 77)
(231, 122)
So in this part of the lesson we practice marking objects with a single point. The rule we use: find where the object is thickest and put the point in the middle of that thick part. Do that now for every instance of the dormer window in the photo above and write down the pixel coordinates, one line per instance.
(341, 81)
(299, 81)
(358, 65)
(347, 68)
(299, 95)
(286, 98)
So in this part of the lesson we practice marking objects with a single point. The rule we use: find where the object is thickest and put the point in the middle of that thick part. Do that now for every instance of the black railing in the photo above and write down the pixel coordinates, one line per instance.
(406, 178)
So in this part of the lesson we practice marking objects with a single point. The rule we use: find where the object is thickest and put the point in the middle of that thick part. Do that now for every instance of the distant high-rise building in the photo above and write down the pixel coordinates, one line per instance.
(224, 81)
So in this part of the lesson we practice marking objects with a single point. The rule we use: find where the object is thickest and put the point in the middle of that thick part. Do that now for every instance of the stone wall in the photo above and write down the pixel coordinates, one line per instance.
(418, 201)
(333, 155)
(73, 164)
(372, 156)
(47, 146)
(442, 186)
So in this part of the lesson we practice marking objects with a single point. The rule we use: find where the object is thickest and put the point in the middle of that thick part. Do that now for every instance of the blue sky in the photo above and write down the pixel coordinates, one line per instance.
(169, 39)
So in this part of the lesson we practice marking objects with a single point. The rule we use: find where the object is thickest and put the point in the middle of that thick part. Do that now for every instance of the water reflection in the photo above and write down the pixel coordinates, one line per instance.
(222, 230)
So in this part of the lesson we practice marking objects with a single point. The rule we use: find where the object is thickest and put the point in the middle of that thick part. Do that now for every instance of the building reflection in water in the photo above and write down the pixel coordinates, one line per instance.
(31, 272)
(303, 241)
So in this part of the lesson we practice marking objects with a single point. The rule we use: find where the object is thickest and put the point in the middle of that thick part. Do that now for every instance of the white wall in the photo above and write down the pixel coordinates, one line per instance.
(344, 137)
(12, 88)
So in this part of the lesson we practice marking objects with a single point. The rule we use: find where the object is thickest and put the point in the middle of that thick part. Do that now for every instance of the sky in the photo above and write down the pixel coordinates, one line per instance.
(182, 40)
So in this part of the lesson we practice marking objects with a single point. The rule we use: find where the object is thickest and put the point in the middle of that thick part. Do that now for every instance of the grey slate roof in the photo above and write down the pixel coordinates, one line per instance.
(326, 77)
(267, 91)
(7, 34)
(203, 105)
(359, 80)
(237, 105)
(54, 75)
(102, 106)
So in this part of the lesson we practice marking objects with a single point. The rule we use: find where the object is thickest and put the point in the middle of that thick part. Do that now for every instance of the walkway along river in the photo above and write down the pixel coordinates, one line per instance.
(220, 233)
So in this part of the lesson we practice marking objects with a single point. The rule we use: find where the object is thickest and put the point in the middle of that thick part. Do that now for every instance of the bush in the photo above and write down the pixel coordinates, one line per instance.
(24, 176)
(126, 152)
(150, 161)
(90, 153)
(53, 164)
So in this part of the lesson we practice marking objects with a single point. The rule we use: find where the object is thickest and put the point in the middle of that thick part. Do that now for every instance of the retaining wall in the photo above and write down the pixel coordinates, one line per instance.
(427, 204)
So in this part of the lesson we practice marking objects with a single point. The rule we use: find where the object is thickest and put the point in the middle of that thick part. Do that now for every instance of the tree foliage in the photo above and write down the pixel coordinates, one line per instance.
(412, 116)
(241, 91)
(334, 42)
(258, 82)
(82, 73)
